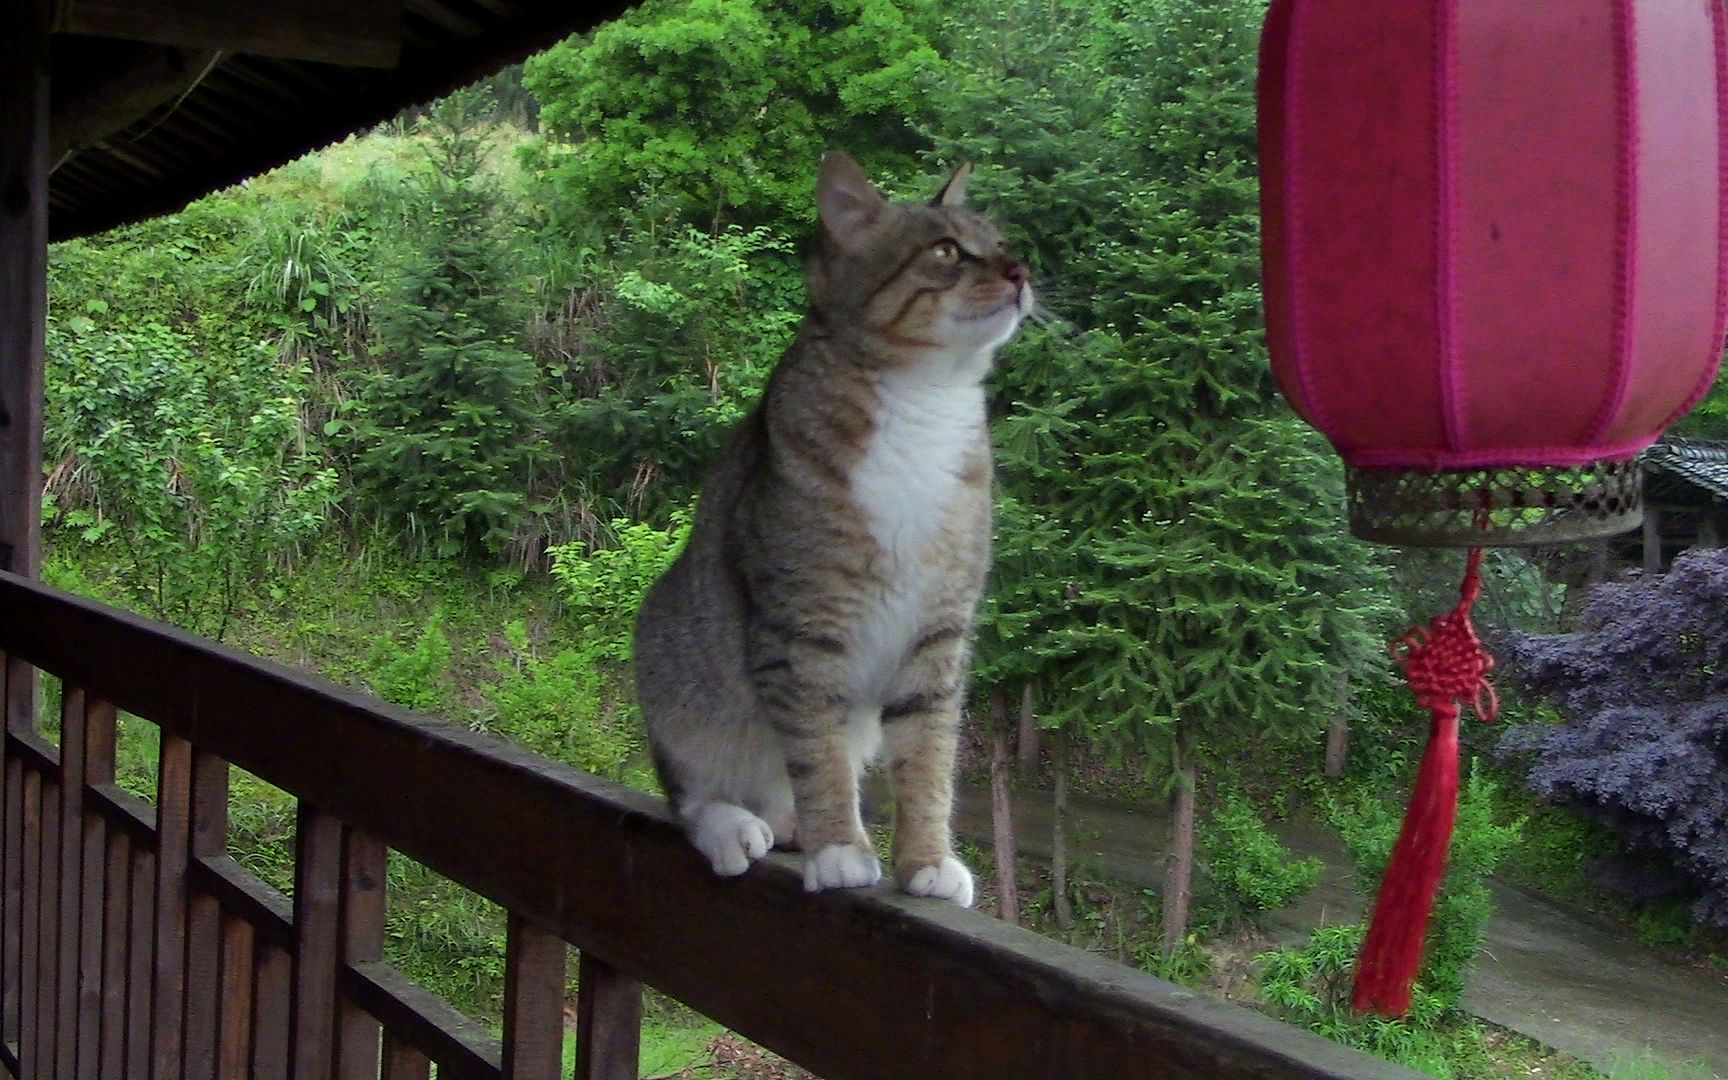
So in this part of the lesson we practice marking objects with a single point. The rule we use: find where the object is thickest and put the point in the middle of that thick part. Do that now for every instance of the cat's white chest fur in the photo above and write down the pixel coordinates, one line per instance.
(906, 485)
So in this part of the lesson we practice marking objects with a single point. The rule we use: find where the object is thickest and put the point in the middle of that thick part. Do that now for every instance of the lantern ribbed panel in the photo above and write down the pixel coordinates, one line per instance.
(1493, 229)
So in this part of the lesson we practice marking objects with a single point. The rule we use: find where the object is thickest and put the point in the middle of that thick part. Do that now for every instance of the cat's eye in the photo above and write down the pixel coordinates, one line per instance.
(945, 250)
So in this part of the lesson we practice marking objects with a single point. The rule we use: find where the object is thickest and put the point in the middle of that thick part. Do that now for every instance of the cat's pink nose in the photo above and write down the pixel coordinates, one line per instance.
(1016, 272)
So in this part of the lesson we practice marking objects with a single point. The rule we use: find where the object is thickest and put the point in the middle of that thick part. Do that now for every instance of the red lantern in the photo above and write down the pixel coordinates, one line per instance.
(1494, 272)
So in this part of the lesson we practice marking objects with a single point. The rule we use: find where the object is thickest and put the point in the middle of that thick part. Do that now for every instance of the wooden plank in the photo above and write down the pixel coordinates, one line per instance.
(235, 1050)
(35, 751)
(209, 838)
(124, 812)
(612, 873)
(24, 99)
(608, 1021)
(94, 103)
(404, 1062)
(111, 1057)
(364, 861)
(239, 893)
(140, 962)
(416, 1018)
(42, 1062)
(173, 841)
(11, 922)
(98, 735)
(68, 946)
(355, 33)
(18, 676)
(271, 996)
(317, 899)
(30, 939)
(533, 1002)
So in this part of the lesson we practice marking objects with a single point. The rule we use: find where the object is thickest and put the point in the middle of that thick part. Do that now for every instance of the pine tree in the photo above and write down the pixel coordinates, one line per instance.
(449, 432)
(1171, 558)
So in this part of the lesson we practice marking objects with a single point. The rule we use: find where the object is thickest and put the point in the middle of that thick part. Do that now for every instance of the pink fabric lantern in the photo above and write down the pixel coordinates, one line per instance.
(1494, 268)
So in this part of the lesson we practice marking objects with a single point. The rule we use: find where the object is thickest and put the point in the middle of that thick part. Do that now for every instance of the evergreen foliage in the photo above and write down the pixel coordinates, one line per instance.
(1151, 478)
(1643, 687)
(448, 429)
(718, 111)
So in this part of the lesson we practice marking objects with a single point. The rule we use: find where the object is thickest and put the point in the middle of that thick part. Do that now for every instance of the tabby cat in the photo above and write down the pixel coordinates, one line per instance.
(822, 612)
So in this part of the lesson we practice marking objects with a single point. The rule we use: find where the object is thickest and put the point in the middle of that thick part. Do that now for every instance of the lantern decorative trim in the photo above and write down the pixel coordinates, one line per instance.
(1508, 507)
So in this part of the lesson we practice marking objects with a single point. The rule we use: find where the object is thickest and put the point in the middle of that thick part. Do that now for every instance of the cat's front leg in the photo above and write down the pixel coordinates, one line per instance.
(919, 732)
(810, 721)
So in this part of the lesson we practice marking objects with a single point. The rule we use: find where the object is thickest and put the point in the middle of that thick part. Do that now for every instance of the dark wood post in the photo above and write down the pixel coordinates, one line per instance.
(23, 278)
(1652, 540)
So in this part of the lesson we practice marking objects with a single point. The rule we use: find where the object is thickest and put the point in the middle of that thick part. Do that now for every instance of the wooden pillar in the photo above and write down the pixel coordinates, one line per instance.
(23, 278)
(1652, 540)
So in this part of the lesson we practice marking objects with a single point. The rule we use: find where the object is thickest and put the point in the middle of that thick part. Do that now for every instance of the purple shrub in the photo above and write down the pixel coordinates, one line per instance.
(1643, 689)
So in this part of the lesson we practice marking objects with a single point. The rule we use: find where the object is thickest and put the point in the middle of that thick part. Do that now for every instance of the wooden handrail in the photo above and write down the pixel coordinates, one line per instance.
(864, 984)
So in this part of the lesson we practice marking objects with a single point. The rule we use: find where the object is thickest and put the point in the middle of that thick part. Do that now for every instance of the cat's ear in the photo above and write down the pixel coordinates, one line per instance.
(953, 193)
(844, 197)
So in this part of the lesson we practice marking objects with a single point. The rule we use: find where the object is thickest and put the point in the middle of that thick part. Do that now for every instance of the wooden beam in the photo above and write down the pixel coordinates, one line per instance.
(352, 33)
(117, 95)
(23, 279)
(1652, 540)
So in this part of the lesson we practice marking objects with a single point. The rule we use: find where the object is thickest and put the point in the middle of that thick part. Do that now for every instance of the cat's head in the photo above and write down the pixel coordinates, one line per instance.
(920, 278)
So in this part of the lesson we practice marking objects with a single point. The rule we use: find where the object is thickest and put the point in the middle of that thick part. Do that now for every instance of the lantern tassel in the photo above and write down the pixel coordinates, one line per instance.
(1445, 665)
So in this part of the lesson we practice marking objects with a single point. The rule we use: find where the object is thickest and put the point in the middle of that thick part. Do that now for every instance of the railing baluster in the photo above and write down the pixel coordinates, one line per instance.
(97, 724)
(173, 837)
(364, 861)
(317, 896)
(533, 1002)
(403, 1062)
(209, 838)
(233, 1058)
(30, 935)
(71, 898)
(111, 1059)
(140, 963)
(608, 1021)
(48, 934)
(270, 1005)
(20, 683)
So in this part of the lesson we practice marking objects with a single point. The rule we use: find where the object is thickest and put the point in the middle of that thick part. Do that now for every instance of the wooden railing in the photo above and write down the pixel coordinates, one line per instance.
(132, 945)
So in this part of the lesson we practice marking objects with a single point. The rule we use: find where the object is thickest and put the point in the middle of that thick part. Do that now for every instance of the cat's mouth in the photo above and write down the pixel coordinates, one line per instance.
(1020, 304)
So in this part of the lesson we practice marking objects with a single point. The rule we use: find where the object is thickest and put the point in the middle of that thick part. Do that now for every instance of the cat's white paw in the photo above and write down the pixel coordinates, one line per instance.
(947, 880)
(841, 866)
(731, 837)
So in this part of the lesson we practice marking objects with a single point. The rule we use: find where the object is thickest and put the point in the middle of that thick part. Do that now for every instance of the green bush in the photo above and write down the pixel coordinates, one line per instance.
(1370, 827)
(565, 706)
(416, 677)
(1310, 986)
(1251, 870)
(604, 586)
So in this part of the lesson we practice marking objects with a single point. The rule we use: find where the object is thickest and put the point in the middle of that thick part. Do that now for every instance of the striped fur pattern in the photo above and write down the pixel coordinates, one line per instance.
(820, 618)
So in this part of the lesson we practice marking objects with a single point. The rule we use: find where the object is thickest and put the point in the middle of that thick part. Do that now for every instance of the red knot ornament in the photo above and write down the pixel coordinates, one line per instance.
(1445, 665)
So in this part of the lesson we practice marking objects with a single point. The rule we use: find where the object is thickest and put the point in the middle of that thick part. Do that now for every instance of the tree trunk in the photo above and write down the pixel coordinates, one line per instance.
(1338, 733)
(1026, 743)
(1059, 833)
(1179, 884)
(1002, 809)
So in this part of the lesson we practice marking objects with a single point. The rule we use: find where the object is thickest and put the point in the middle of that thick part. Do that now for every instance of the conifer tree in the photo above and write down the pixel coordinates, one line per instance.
(1172, 560)
(449, 432)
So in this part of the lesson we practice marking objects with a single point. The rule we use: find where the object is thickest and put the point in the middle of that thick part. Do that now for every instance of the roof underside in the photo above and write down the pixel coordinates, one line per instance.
(157, 102)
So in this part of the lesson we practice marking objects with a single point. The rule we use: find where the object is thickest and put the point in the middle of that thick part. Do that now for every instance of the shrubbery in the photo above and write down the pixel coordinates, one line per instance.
(1643, 687)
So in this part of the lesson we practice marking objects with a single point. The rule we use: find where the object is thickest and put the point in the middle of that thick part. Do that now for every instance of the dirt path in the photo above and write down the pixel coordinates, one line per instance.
(1591, 990)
